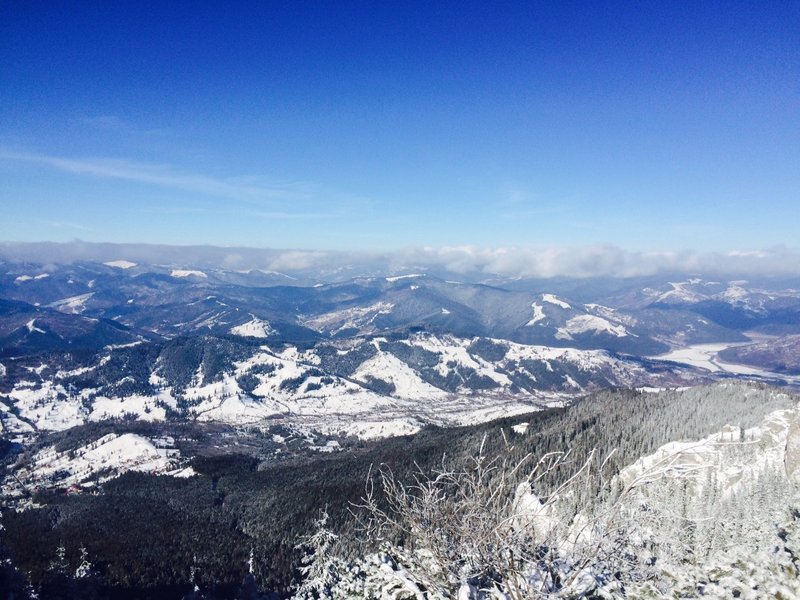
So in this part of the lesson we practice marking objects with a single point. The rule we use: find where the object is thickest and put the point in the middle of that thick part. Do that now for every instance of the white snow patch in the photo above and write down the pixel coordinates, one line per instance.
(48, 406)
(73, 304)
(187, 273)
(399, 277)
(407, 383)
(103, 459)
(120, 264)
(552, 299)
(254, 328)
(146, 408)
(445, 311)
(356, 317)
(679, 293)
(610, 314)
(737, 456)
(118, 346)
(589, 324)
(734, 293)
(538, 315)
(520, 428)
(452, 350)
(31, 325)
(23, 278)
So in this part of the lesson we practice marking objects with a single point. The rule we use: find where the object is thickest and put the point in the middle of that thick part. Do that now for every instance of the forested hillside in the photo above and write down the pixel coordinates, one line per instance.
(145, 534)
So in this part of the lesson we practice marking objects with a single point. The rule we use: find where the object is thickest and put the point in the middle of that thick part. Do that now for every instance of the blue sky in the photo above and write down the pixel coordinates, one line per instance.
(384, 125)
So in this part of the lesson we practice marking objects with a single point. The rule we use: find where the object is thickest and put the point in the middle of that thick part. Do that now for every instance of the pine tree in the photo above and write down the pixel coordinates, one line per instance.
(320, 569)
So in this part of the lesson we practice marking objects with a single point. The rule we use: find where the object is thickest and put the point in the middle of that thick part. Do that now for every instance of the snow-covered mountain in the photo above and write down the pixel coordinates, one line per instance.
(86, 341)
(372, 387)
(637, 316)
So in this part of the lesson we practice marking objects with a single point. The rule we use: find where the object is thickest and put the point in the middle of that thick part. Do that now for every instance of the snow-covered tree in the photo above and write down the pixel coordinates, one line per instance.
(320, 569)
(483, 528)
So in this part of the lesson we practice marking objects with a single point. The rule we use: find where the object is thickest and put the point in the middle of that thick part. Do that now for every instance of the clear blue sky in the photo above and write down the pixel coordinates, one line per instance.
(381, 125)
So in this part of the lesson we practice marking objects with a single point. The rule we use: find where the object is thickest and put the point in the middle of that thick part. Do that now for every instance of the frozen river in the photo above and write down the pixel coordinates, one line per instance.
(705, 356)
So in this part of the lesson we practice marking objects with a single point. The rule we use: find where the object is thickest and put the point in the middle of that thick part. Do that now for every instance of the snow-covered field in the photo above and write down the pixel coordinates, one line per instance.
(359, 317)
(98, 461)
(289, 386)
(589, 324)
(73, 304)
(254, 328)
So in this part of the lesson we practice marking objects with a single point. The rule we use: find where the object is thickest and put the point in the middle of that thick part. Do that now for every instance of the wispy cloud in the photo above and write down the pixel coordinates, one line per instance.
(475, 263)
(245, 189)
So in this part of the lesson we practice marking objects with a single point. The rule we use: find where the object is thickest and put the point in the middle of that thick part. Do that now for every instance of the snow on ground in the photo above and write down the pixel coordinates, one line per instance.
(387, 367)
(100, 460)
(399, 277)
(146, 408)
(704, 356)
(373, 430)
(538, 315)
(734, 293)
(235, 408)
(269, 272)
(72, 305)
(187, 273)
(62, 374)
(355, 318)
(254, 328)
(738, 457)
(552, 299)
(520, 428)
(120, 264)
(49, 405)
(291, 386)
(698, 355)
(31, 325)
(679, 293)
(589, 324)
(2, 370)
(290, 390)
(11, 426)
(118, 346)
(24, 278)
(583, 359)
(452, 350)
(610, 314)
